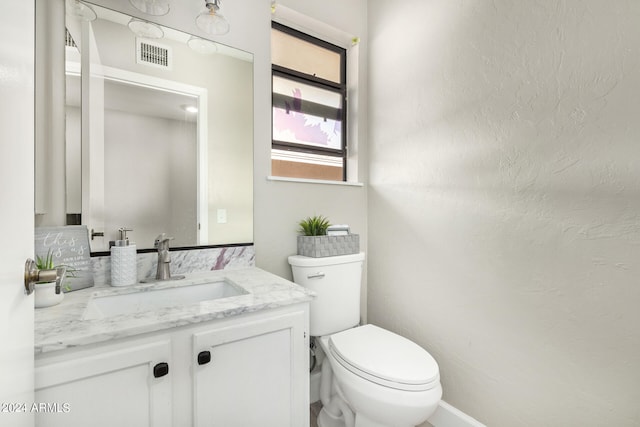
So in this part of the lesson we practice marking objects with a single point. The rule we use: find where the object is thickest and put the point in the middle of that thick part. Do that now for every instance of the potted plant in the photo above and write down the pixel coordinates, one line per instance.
(313, 240)
(314, 226)
(45, 292)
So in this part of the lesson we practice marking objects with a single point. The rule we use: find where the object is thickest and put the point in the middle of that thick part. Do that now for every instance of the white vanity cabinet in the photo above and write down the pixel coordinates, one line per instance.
(123, 384)
(252, 374)
(245, 370)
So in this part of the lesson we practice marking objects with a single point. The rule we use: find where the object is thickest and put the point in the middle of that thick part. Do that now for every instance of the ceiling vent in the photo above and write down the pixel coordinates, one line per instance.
(153, 54)
(68, 40)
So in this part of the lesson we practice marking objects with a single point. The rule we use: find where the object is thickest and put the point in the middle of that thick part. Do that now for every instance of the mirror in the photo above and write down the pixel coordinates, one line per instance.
(158, 135)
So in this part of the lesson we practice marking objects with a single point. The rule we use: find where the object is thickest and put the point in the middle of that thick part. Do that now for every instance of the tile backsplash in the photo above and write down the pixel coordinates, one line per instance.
(182, 261)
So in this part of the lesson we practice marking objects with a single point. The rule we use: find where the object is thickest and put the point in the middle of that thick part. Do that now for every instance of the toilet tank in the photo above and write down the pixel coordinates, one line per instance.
(336, 281)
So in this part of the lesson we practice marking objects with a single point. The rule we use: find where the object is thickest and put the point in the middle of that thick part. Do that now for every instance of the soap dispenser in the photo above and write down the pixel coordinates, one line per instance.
(124, 270)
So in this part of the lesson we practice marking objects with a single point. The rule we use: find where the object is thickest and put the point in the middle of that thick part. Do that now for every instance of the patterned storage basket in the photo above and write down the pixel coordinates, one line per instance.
(323, 246)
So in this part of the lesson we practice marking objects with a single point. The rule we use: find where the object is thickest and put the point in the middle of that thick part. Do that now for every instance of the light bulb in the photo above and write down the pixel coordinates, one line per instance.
(189, 108)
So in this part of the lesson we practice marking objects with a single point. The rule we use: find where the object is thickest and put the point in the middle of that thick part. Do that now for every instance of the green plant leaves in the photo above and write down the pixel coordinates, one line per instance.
(314, 226)
(45, 263)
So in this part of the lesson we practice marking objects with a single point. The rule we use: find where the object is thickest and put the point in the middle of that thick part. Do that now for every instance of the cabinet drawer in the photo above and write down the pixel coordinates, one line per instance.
(107, 387)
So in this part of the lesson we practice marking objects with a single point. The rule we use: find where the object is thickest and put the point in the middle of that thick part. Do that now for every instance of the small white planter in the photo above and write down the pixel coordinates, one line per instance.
(45, 294)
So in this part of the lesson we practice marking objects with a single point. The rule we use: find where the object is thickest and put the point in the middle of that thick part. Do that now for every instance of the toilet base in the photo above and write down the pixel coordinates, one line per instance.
(325, 419)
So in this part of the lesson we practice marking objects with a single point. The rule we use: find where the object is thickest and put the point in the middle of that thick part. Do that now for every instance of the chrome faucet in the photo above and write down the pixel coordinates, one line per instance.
(164, 258)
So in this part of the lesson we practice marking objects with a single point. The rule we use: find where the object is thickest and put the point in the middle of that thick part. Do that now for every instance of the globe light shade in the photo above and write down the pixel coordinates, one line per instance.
(145, 29)
(80, 10)
(212, 21)
(151, 7)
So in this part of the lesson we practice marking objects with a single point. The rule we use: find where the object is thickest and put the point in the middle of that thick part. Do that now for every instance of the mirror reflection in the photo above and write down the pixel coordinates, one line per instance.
(158, 137)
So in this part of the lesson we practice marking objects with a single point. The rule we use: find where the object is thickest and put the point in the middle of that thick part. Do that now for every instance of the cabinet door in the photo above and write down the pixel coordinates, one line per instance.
(108, 386)
(255, 376)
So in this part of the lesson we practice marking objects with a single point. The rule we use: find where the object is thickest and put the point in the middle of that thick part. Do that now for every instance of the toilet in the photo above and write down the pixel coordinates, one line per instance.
(371, 377)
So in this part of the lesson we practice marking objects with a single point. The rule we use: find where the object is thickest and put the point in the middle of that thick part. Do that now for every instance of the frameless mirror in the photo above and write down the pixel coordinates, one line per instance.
(158, 135)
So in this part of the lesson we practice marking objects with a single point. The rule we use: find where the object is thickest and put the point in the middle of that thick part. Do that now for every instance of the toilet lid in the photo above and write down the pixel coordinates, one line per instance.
(385, 358)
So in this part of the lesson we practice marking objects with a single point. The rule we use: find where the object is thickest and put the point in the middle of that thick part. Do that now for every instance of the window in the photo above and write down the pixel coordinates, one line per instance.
(309, 106)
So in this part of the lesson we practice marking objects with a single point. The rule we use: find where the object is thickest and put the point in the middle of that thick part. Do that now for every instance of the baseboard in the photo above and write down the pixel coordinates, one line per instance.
(448, 416)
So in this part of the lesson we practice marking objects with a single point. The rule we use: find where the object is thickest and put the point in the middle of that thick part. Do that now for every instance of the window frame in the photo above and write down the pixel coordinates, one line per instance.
(311, 80)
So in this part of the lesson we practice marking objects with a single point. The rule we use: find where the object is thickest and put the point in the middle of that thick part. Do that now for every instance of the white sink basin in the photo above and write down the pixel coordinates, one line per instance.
(150, 299)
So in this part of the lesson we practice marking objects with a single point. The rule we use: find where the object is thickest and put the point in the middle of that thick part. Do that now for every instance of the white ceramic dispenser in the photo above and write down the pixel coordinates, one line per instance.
(124, 269)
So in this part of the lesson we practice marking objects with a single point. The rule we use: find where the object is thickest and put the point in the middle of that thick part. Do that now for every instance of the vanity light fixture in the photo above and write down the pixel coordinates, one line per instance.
(189, 108)
(201, 45)
(151, 7)
(212, 21)
(145, 29)
(80, 10)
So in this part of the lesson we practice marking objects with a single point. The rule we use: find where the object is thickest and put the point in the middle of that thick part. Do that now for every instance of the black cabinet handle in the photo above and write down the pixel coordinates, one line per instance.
(204, 357)
(161, 369)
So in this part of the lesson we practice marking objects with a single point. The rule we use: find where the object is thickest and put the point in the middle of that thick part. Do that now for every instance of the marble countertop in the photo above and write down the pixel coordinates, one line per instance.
(64, 325)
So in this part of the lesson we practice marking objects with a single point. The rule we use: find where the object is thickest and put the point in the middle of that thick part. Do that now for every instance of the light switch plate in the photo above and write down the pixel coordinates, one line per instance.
(222, 216)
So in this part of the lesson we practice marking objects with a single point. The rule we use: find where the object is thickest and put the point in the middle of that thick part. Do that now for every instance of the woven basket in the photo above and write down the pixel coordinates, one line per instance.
(323, 246)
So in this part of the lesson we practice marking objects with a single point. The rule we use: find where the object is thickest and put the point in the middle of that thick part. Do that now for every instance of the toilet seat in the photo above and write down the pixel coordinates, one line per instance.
(385, 358)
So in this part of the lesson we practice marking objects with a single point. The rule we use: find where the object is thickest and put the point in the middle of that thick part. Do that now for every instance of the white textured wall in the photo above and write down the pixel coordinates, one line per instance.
(504, 204)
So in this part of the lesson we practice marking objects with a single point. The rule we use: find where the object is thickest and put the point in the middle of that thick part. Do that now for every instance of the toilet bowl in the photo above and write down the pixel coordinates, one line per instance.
(371, 377)
(385, 380)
